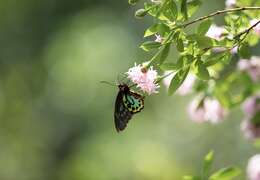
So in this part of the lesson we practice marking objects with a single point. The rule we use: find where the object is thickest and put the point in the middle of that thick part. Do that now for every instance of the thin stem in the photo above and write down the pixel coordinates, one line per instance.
(219, 13)
(246, 31)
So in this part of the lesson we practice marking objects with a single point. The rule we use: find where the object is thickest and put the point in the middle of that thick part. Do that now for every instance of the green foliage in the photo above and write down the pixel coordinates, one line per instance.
(227, 173)
(178, 79)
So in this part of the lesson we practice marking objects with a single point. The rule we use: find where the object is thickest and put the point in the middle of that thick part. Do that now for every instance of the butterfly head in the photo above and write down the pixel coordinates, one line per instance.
(123, 88)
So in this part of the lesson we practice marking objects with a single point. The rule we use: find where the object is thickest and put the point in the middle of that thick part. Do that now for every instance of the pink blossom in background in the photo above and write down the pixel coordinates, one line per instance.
(250, 131)
(253, 168)
(186, 86)
(215, 32)
(250, 106)
(210, 110)
(215, 113)
(251, 66)
(257, 28)
(144, 78)
(197, 111)
(230, 3)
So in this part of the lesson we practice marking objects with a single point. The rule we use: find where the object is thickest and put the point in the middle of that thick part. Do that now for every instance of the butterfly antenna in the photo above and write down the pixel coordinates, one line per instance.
(109, 83)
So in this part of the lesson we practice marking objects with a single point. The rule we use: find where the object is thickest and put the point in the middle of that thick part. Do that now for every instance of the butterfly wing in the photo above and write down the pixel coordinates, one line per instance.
(134, 102)
(121, 115)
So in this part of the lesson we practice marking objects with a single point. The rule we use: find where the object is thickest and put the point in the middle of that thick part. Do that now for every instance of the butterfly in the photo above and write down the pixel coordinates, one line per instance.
(127, 103)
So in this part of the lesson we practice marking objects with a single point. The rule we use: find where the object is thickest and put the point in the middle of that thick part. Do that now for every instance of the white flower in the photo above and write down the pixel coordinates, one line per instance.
(251, 66)
(257, 28)
(215, 32)
(158, 38)
(144, 78)
(253, 168)
(186, 86)
(230, 3)
(206, 110)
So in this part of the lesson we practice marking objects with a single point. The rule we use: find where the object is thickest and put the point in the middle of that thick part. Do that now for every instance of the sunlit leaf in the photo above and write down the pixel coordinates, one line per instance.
(149, 45)
(226, 174)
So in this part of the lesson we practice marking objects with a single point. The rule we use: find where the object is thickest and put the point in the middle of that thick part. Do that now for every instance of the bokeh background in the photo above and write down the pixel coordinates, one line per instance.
(56, 118)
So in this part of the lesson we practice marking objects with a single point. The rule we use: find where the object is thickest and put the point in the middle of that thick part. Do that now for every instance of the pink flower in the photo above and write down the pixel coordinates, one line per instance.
(215, 32)
(251, 105)
(253, 168)
(230, 3)
(215, 113)
(251, 66)
(186, 86)
(257, 28)
(250, 130)
(206, 110)
(144, 78)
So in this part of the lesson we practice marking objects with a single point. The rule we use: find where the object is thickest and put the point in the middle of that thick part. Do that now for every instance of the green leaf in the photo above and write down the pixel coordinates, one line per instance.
(208, 160)
(184, 61)
(215, 58)
(169, 10)
(193, 6)
(225, 173)
(164, 53)
(244, 51)
(201, 70)
(202, 41)
(180, 46)
(177, 80)
(140, 13)
(168, 66)
(184, 11)
(160, 28)
(204, 27)
(149, 45)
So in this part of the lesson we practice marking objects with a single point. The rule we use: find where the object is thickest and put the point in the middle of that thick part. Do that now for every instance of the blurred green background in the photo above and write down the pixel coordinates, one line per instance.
(57, 118)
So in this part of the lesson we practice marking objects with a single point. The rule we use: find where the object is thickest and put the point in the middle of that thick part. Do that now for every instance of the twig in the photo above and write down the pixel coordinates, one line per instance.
(218, 13)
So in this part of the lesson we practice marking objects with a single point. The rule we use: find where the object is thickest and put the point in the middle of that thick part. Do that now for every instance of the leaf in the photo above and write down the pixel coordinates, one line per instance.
(256, 119)
(180, 46)
(184, 61)
(225, 173)
(202, 41)
(168, 66)
(160, 28)
(193, 6)
(164, 53)
(184, 9)
(177, 80)
(215, 58)
(148, 45)
(169, 10)
(204, 27)
(201, 70)
(244, 51)
(208, 160)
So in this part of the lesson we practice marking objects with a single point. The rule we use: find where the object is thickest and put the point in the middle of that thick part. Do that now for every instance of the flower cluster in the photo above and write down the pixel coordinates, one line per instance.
(251, 66)
(144, 78)
(206, 110)
(250, 107)
(253, 168)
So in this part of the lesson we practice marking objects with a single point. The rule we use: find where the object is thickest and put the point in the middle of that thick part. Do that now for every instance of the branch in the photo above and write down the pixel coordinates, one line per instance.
(219, 13)
(246, 31)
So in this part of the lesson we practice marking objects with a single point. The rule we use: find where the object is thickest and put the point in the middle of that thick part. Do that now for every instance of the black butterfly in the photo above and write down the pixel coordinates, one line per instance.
(127, 104)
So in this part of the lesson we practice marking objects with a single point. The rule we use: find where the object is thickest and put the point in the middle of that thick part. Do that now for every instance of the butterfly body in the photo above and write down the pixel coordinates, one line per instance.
(127, 103)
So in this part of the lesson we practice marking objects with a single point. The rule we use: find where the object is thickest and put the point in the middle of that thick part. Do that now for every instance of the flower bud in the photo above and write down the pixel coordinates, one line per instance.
(132, 2)
(140, 13)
